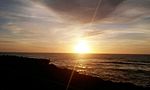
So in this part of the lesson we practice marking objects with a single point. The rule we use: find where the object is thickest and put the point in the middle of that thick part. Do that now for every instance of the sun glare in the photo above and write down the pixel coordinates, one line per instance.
(82, 47)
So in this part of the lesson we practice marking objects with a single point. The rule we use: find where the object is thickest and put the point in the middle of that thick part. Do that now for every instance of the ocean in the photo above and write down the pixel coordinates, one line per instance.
(131, 68)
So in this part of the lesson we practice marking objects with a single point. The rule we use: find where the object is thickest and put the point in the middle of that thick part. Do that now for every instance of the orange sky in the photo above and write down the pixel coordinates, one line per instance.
(119, 26)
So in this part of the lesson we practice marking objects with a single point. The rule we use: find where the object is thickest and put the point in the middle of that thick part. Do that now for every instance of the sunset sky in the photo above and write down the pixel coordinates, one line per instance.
(119, 26)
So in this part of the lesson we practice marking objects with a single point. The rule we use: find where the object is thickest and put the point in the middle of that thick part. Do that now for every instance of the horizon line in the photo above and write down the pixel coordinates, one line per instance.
(79, 53)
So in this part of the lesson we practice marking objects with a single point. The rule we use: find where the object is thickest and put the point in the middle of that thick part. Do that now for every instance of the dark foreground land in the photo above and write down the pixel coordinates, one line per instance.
(20, 73)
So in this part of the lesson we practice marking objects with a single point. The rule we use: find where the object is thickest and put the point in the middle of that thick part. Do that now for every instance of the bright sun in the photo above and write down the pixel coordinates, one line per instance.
(82, 47)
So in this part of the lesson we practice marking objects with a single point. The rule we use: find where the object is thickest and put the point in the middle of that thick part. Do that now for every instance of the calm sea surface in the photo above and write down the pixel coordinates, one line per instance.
(115, 67)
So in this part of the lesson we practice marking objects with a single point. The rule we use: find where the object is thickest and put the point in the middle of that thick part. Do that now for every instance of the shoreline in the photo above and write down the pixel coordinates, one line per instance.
(33, 73)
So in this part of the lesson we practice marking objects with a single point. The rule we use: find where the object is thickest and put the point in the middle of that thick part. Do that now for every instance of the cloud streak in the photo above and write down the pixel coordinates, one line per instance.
(82, 10)
(55, 23)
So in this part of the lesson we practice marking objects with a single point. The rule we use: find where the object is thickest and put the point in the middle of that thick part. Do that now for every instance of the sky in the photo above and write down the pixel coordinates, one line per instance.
(109, 26)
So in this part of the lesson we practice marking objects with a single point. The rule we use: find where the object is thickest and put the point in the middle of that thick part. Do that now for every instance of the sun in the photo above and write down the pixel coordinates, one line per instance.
(82, 47)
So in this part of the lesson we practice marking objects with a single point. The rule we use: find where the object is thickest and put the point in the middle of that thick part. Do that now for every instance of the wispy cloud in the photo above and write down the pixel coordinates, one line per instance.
(54, 23)
(82, 10)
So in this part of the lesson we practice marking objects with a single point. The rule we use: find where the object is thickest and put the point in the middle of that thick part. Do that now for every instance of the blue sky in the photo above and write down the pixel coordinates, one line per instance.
(120, 26)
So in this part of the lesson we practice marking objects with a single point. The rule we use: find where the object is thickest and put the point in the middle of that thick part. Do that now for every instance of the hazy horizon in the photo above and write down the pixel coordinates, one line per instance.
(75, 26)
(77, 53)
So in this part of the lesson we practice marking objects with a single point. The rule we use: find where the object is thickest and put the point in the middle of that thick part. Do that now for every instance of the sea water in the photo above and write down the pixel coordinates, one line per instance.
(130, 68)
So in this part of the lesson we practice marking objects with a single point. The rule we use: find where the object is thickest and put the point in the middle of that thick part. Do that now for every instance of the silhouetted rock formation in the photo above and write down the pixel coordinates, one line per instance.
(31, 74)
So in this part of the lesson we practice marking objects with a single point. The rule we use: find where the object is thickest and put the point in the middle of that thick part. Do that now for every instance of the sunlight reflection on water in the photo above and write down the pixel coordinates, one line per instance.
(114, 70)
(118, 68)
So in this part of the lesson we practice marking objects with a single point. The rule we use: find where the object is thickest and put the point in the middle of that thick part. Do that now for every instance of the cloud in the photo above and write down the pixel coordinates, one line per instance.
(82, 10)
(141, 24)
(130, 10)
(131, 36)
(48, 23)
(25, 11)
(93, 33)
(6, 41)
(23, 19)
